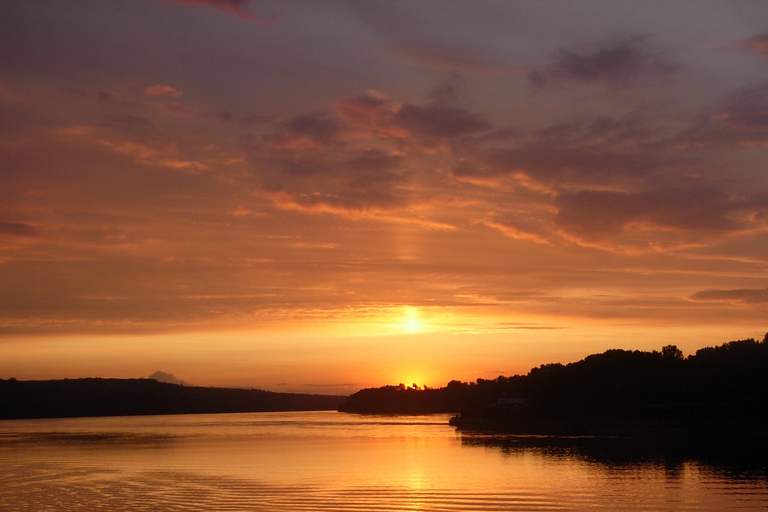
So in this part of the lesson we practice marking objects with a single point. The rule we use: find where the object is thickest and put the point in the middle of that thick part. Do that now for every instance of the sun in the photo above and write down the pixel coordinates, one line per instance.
(411, 322)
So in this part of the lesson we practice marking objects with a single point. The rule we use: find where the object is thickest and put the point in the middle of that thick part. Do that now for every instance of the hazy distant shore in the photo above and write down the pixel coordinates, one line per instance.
(133, 397)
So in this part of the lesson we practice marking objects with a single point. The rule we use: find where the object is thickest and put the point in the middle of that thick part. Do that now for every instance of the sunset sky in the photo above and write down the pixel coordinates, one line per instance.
(326, 196)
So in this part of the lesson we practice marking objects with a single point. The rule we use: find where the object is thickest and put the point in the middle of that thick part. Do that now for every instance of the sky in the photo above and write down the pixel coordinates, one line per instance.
(327, 196)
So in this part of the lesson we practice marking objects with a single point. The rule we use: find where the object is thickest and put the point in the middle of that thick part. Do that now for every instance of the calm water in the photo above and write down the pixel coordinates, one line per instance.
(332, 461)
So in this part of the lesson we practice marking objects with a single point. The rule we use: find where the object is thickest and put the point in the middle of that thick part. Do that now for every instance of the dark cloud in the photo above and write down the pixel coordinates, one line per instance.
(419, 37)
(373, 169)
(588, 150)
(300, 163)
(598, 130)
(373, 161)
(523, 325)
(107, 96)
(346, 182)
(307, 174)
(445, 93)
(224, 115)
(237, 7)
(317, 129)
(317, 126)
(256, 120)
(363, 110)
(132, 124)
(343, 199)
(17, 229)
(617, 63)
(746, 110)
(161, 90)
(446, 57)
(222, 4)
(744, 296)
(75, 93)
(93, 294)
(439, 121)
(741, 121)
(546, 163)
(427, 126)
(156, 104)
(598, 215)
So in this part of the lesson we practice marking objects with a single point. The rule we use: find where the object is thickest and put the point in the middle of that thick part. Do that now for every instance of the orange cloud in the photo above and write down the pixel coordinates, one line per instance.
(538, 236)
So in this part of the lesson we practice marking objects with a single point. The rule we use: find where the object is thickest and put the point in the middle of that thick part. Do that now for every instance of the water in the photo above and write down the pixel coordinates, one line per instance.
(322, 461)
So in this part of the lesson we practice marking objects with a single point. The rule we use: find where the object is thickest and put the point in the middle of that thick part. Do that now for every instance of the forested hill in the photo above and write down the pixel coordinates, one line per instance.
(127, 397)
(732, 376)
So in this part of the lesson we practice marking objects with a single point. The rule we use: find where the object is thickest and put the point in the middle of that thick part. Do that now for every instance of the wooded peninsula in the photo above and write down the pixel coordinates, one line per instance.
(618, 392)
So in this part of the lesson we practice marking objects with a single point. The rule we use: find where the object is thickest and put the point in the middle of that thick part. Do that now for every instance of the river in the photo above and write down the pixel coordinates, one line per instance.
(329, 461)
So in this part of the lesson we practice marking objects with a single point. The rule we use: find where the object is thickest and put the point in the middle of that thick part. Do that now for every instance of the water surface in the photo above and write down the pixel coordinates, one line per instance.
(333, 461)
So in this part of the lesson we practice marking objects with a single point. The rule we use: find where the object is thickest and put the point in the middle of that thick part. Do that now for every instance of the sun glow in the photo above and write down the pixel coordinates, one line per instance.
(410, 322)
(410, 376)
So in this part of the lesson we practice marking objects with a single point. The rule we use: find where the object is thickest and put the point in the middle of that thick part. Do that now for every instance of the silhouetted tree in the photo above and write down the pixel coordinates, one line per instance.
(671, 352)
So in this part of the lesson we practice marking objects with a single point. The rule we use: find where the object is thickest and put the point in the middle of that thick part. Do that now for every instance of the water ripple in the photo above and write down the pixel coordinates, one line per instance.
(42, 488)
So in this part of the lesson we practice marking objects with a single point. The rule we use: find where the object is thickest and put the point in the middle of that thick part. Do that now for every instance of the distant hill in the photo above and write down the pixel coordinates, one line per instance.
(129, 397)
(168, 378)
